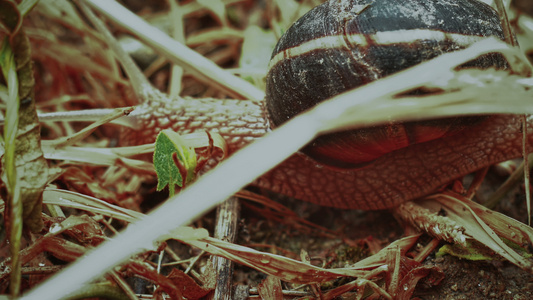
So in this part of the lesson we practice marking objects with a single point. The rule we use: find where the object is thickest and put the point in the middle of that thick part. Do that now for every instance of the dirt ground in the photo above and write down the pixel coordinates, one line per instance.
(463, 279)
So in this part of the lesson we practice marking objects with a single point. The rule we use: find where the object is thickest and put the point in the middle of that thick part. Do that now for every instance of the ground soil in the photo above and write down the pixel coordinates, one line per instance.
(463, 279)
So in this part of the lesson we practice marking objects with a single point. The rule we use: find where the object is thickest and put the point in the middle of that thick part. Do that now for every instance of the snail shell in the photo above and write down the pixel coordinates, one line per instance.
(343, 44)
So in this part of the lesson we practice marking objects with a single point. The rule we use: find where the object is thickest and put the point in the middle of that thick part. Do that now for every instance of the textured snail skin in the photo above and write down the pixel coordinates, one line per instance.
(394, 178)
(405, 174)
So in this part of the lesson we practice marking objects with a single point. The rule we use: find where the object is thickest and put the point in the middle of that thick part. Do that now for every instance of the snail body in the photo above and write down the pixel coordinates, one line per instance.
(415, 169)
(341, 45)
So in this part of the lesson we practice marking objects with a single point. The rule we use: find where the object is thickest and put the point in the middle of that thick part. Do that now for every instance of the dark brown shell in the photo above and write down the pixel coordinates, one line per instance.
(341, 45)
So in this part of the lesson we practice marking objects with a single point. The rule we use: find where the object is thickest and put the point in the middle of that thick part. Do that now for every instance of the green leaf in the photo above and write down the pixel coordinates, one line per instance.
(170, 155)
(474, 251)
(26, 6)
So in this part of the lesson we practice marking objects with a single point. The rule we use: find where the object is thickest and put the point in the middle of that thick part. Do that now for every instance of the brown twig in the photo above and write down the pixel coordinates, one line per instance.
(226, 229)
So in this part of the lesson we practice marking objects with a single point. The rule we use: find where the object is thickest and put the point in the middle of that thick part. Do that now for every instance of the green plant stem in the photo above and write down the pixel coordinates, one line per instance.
(13, 187)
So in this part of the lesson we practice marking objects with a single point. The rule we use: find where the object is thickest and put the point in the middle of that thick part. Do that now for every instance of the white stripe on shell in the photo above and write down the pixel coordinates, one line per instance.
(380, 38)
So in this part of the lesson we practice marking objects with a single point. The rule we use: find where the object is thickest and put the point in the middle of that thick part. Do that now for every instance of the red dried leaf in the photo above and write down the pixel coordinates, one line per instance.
(189, 288)
(270, 288)
(411, 272)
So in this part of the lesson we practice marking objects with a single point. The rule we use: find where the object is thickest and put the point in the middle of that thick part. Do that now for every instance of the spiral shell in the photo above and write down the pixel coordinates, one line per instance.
(341, 45)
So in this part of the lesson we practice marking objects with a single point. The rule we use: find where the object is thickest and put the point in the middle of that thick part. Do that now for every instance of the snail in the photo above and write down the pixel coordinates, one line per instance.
(340, 45)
